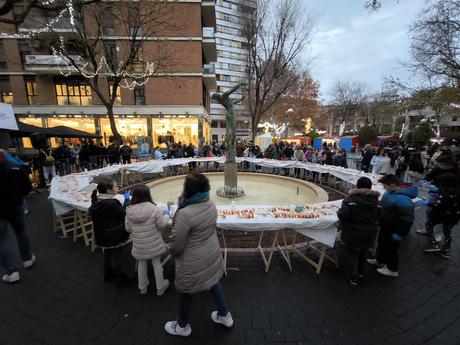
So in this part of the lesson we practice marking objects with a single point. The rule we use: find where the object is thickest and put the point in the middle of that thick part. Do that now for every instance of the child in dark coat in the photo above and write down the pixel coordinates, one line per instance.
(358, 217)
(108, 217)
(396, 219)
(446, 211)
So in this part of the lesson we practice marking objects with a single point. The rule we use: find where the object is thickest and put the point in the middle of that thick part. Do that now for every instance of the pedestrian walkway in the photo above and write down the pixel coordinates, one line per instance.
(64, 301)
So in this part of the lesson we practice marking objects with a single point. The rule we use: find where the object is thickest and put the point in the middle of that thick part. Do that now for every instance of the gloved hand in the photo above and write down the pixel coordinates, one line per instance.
(127, 195)
(166, 212)
(396, 237)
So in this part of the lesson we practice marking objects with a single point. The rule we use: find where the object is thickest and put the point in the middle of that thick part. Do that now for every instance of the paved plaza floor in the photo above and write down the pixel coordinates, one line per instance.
(64, 301)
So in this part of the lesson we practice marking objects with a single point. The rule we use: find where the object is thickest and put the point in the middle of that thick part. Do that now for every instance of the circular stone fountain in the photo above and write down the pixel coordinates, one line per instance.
(260, 189)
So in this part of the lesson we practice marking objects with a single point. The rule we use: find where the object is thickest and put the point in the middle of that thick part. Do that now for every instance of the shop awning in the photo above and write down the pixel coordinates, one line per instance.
(67, 132)
(25, 130)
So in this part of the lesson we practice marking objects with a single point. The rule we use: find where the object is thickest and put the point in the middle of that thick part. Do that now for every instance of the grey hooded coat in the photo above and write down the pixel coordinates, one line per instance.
(195, 246)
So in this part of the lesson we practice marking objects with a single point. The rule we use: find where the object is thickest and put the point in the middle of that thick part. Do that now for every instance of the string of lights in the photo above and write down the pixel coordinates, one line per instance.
(129, 80)
(48, 26)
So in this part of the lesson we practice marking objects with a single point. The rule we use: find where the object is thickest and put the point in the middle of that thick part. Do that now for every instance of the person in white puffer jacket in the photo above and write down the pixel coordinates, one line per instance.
(145, 221)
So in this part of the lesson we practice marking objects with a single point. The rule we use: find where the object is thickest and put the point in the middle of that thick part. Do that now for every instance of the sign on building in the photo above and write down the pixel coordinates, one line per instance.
(7, 118)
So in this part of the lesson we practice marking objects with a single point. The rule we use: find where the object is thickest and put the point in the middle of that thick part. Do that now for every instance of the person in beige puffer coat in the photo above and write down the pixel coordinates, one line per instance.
(196, 250)
(145, 221)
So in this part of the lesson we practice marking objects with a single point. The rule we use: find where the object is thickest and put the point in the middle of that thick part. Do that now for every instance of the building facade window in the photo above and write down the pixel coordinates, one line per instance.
(6, 97)
(24, 50)
(73, 92)
(108, 31)
(118, 95)
(135, 31)
(139, 95)
(3, 65)
(6, 94)
(112, 55)
(32, 91)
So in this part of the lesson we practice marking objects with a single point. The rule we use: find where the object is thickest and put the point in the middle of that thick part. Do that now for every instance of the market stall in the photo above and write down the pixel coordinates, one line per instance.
(348, 142)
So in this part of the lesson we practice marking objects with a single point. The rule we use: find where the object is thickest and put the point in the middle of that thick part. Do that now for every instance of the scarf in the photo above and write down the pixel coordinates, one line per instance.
(194, 199)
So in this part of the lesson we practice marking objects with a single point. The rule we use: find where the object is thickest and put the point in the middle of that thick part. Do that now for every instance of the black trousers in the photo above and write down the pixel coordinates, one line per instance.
(387, 250)
(353, 260)
(113, 261)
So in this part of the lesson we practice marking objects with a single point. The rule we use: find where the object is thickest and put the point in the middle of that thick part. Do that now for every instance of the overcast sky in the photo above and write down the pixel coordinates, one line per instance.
(351, 43)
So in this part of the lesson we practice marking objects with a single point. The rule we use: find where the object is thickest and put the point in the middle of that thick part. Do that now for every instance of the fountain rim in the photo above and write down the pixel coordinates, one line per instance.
(321, 194)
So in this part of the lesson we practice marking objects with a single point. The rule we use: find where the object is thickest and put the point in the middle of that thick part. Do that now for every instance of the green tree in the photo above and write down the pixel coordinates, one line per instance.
(422, 134)
(313, 134)
(367, 134)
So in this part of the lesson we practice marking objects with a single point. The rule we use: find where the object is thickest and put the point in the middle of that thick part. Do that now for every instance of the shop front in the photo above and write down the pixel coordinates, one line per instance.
(134, 129)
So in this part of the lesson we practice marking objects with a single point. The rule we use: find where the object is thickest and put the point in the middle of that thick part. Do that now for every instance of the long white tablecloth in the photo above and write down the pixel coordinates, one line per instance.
(73, 192)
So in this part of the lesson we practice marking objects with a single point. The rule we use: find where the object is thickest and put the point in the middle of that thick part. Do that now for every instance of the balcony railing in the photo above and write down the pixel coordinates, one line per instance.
(49, 61)
(40, 23)
(209, 69)
(208, 33)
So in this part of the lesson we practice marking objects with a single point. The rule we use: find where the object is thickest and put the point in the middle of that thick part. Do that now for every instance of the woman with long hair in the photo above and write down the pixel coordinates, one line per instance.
(195, 247)
(108, 217)
(145, 221)
(388, 165)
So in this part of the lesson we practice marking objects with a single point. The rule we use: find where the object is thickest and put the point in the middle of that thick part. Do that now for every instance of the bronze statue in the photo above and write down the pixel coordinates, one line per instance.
(230, 169)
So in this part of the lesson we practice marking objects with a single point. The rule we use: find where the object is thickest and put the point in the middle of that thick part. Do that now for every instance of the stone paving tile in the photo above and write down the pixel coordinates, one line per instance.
(64, 301)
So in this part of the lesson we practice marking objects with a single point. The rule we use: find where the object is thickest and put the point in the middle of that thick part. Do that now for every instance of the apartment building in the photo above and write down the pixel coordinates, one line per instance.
(230, 66)
(174, 104)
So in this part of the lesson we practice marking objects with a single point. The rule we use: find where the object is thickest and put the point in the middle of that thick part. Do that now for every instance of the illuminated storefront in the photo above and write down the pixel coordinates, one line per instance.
(132, 128)
(37, 122)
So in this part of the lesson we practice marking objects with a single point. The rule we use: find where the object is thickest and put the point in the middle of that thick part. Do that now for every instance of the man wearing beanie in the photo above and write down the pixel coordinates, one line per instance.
(396, 220)
(359, 218)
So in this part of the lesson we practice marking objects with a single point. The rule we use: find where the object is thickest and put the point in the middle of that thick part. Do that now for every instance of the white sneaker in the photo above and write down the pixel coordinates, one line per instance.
(11, 278)
(226, 320)
(30, 263)
(387, 272)
(143, 291)
(162, 290)
(173, 328)
(374, 262)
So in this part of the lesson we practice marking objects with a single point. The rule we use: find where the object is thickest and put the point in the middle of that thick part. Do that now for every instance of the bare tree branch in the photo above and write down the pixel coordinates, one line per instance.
(138, 21)
(277, 33)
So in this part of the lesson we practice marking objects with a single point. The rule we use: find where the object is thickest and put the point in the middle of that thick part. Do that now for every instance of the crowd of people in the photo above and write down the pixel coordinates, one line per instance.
(86, 155)
(365, 219)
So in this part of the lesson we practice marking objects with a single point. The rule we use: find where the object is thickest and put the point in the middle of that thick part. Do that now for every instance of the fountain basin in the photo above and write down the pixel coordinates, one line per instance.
(260, 189)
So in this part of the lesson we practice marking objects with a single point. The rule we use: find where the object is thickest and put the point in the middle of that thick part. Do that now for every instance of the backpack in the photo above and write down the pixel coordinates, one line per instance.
(49, 159)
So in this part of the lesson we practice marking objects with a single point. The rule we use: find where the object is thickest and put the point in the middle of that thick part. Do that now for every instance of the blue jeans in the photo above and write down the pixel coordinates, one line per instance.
(185, 304)
(14, 216)
(65, 168)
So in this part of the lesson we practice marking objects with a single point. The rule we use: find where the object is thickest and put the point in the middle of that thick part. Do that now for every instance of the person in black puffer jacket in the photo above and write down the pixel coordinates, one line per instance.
(444, 164)
(108, 217)
(445, 211)
(15, 185)
(358, 220)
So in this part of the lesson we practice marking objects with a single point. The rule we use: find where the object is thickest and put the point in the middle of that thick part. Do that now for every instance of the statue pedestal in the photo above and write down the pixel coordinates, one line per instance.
(230, 189)
(230, 171)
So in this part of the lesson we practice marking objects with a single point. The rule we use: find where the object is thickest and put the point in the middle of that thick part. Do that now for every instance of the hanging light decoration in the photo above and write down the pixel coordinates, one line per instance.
(49, 25)
(102, 68)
